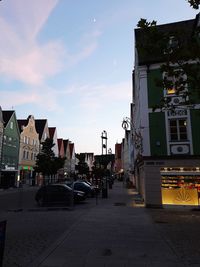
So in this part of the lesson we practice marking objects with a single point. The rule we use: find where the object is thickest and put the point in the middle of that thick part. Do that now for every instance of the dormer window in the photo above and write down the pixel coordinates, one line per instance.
(175, 84)
(171, 91)
(171, 45)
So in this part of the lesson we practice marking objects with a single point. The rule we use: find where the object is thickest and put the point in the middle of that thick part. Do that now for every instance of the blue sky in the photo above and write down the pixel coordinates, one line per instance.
(71, 61)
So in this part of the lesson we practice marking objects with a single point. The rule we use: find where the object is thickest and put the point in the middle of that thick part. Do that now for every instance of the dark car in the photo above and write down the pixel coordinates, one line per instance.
(84, 187)
(58, 194)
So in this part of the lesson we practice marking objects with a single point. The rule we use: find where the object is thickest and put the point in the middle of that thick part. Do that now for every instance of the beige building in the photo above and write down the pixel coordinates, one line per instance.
(29, 148)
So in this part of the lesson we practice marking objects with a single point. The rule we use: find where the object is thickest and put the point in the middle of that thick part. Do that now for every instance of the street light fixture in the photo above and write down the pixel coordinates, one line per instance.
(104, 142)
(136, 134)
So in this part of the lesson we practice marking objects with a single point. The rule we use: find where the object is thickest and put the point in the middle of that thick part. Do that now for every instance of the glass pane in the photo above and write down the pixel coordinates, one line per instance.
(182, 123)
(174, 137)
(183, 136)
(172, 123)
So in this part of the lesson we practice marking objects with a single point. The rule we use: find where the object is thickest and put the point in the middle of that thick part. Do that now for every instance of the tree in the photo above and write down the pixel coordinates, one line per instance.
(194, 3)
(46, 162)
(180, 52)
(82, 167)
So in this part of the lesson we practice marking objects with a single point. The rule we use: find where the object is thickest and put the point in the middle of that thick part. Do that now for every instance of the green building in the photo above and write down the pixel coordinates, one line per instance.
(10, 150)
(167, 163)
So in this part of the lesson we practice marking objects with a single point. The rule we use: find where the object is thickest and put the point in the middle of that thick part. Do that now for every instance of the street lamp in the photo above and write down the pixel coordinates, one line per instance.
(104, 142)
(103, 160)
(136, 134)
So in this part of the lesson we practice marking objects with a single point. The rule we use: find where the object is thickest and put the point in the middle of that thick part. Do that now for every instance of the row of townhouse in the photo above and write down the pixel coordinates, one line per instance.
(162, 148)
(20, 143)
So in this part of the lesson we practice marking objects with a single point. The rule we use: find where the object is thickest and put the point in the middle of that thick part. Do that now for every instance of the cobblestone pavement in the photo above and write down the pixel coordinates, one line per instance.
(180, 228)
(30, 231)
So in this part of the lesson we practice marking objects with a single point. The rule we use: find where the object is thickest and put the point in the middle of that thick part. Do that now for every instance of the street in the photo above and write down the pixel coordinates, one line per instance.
(118, 230)
(31, 229)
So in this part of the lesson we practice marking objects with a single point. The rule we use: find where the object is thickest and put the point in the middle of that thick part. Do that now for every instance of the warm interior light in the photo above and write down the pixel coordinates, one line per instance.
(170, 91)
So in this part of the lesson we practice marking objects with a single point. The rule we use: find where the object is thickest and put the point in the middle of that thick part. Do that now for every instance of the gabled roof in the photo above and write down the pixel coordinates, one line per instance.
(1, 115)
(60, 142)
(40, 125)
(7, 114)
(52, 132)
(22, 123)
(65, 142)
(185, 27)
(71, 148)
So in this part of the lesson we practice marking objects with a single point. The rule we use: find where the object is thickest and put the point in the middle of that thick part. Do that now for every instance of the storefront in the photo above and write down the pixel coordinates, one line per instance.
(163, 181)
(26, 175)
(180, 186)
(8, 177)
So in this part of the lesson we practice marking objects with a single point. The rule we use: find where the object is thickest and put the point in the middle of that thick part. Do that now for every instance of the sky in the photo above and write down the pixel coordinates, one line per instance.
(71, 62)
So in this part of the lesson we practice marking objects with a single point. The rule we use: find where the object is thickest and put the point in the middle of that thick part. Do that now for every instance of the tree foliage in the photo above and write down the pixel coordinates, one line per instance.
(46, 162)
(82, 167)
(194, 3)
(180, 53)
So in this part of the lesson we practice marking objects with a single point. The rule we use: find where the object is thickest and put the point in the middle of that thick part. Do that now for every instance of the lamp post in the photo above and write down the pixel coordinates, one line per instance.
(136, 145)
(103, 160)
(104, 142)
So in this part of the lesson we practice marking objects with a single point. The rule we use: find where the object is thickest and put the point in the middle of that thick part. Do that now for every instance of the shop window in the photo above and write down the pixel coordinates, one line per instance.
(178, 130)
(183, 189)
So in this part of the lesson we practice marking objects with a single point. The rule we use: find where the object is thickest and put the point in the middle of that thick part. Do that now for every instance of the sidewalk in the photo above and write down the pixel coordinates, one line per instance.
(115, 233)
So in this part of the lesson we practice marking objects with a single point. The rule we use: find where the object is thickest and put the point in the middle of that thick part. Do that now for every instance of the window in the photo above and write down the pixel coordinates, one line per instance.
(27, 155)
(178, 129)
(24, 154)
(11, 125)
(175, 83)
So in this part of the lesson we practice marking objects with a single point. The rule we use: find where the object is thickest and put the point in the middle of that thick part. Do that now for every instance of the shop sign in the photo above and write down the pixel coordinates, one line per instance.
(8, 168)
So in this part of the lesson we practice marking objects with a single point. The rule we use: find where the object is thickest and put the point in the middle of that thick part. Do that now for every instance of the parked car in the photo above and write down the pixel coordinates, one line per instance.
(83, 186)
(58, 194)
(94, 187)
